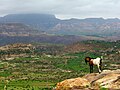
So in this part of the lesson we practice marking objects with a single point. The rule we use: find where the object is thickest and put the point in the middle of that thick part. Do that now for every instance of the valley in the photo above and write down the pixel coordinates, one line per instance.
(39, 50)
(40, 66)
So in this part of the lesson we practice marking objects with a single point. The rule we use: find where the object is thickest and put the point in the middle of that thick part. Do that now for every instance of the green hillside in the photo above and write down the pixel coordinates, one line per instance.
(41, 67)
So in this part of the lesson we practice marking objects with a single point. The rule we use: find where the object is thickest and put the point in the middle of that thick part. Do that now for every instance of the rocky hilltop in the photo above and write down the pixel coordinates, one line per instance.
(108, 79)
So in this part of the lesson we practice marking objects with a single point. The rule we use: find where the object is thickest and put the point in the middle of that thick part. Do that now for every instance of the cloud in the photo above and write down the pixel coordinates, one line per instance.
(63, 8)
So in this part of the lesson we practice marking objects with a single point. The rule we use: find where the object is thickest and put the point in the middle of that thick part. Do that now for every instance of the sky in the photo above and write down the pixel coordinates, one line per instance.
(63, 9)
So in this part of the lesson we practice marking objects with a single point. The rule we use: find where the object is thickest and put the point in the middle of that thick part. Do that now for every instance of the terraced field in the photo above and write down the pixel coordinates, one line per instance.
(43, 70)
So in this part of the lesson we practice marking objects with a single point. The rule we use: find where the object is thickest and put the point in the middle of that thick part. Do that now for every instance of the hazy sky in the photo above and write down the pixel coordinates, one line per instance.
(63, 8)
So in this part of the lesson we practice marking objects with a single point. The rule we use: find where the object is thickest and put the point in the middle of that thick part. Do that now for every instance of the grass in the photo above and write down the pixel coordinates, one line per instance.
(5, 73)
(43, 78)
(102, 88)
(42, 73)
(44, 66)
(27, 85)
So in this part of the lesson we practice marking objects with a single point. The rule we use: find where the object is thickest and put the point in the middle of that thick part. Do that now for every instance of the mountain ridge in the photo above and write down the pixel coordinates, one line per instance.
(52, 25)
(34, 20)
(45, 28)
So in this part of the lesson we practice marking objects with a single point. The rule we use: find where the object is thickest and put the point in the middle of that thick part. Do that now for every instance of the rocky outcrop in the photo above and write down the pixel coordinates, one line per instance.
(76, 83)
(107, 79)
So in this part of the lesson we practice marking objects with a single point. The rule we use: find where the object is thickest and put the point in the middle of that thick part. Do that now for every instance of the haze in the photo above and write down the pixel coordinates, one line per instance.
(63, 9)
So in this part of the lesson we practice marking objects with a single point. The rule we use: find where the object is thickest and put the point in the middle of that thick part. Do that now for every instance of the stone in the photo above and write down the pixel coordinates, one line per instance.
(71, 84)
(109, 79)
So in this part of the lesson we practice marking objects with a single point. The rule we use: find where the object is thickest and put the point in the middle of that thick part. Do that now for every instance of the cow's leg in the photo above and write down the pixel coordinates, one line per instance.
(99, 68)
(91, 68)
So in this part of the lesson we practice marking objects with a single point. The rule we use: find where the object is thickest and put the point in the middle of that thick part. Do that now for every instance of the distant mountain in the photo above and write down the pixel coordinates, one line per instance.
(52, 25)
(45, 28)
(20, 33)
(89, 26)
(39, 21)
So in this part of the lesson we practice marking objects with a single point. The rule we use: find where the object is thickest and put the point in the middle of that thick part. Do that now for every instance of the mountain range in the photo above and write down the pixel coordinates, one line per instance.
(49, 29)
(52, 25)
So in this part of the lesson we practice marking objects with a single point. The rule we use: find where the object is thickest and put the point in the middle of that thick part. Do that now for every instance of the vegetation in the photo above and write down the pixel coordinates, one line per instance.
(41, 68)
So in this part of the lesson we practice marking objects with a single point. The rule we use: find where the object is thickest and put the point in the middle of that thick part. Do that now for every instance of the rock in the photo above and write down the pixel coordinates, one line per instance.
(71, 84)
(111, 81)
(111, 71)
(90, 77)
(107, 79)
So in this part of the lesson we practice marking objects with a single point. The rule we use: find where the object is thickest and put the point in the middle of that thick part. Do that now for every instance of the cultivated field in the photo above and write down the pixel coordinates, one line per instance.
(41, 66)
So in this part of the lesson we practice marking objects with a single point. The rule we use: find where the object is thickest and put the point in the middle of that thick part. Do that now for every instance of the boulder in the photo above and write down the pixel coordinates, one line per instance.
(90, 77)
(107, 79)
(71, 84)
